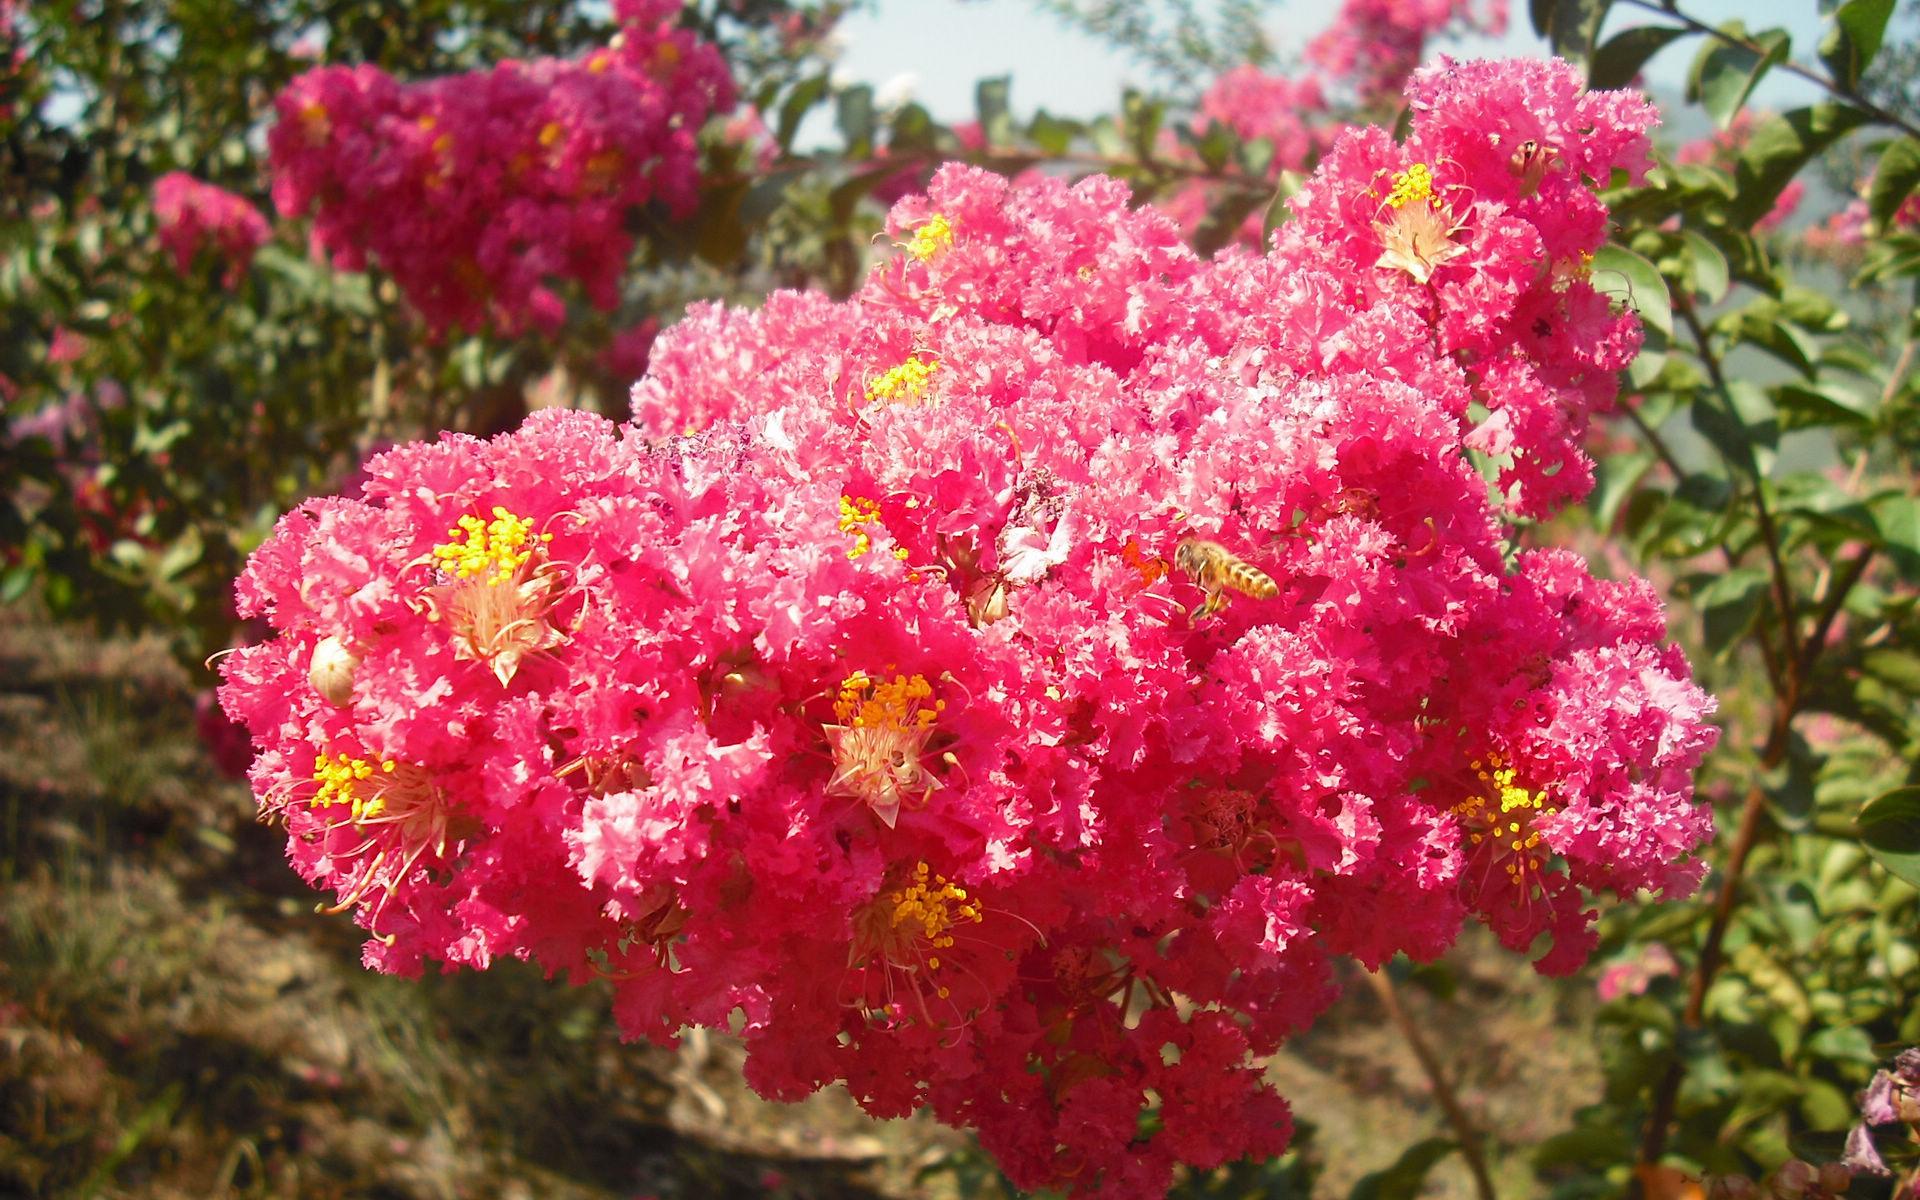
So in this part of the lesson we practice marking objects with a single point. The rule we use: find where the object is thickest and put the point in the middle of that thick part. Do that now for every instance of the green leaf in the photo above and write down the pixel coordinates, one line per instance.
(1710, 274)
(1725, 72)
(1626, 277)
(1894, 180)
(1616, 476)
(1107, 137)
(1895, 667)
(1859, 27)
(15, 582)
(990, 105)
(794, 109)
(1723, 420)
(1570, 26)
(1141, 117)
(845, 197)
(1729, 604)
(1280, 208)
(1898, 518)
(1894, 256)
(1215, 147)
(1812, 405)
(1619, 61)
(1844, 1043)
(183, 553)
(1053, 135)
(1407, 1177)
(1890, 830)
(1779, 147)
(853, 114)
(911, 130)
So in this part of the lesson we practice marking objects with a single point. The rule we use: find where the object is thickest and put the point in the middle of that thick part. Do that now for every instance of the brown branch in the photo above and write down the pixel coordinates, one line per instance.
(1830, 610)
(1465, 1132)
(1763, 516)
(1654, 440)
(1898, 375)
(1753, 811)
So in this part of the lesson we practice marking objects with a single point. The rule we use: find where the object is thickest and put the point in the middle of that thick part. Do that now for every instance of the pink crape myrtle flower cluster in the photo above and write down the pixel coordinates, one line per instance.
(1375, 43)
(475, 191)
(1010, 690)
(1846, 230)
(1370, 48)
(1892, 1098)
(190, 215)
(1254, 104)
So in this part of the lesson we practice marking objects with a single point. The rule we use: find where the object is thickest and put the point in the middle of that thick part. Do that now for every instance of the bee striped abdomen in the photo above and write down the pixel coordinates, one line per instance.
(1250, 580)
(1217, 570)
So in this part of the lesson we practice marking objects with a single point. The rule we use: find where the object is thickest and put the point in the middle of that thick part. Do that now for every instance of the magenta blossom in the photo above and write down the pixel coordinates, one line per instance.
(1009, 690)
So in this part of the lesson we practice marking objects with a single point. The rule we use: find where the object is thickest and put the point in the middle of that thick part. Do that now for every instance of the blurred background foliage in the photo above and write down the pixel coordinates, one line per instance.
(173, 1019)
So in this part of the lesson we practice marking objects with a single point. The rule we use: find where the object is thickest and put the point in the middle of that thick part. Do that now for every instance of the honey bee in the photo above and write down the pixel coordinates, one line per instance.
(1217, 571)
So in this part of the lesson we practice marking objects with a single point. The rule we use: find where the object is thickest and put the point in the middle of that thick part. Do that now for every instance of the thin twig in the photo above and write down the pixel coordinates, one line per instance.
(1763, 516)
(1653, 1143)
(1464, 1131)
(1830, 609)
(1658, 443)
(1898, 375)
(1830, 86)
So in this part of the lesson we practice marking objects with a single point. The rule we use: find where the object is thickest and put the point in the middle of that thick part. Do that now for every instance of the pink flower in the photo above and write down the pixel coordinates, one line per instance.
(1377, 43)
(1632, 977)
(1010, 689)
(477, 191)
(190, 215)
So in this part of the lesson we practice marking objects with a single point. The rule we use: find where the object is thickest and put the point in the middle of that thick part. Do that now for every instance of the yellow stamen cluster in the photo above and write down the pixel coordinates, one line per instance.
(317, 122)
(867, 703)
(930, 239)
(341, 779)
(495, 549)
(1411, 186)
(603, 170)
(904, 384)
(879, 744)
(855, 515)
(1502, 813)
(919, 917)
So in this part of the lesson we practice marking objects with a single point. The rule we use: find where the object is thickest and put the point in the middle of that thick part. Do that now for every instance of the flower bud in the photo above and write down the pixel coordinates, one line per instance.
(331, 671)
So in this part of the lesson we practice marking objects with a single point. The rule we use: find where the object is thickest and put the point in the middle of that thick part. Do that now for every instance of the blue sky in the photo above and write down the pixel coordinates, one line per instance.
(949, 44)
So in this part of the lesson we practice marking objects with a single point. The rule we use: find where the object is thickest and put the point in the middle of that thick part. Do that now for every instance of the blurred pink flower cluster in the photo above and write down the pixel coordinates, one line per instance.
(1375, 43)
(476, 191)
(1892, 1098)
(1847, 229)
(1372, 46)
(15, 67)
(1722, 149)
(1010, 689)
(190, 215)
(1290, 115)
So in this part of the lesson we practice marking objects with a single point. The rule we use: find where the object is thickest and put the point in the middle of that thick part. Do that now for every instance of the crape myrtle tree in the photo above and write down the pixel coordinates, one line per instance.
(1112, 576)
